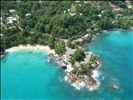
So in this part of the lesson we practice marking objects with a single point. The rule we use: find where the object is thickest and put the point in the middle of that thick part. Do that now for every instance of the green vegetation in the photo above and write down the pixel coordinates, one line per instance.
(86, 67)
(93, 58)
(51, 42)
(73, 9)
(78, 55)
(60, 48)
(50, 21)
(71, 45)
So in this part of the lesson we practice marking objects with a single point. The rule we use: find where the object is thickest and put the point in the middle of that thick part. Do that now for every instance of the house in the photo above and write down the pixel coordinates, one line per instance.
(114, 21)
(87, 59)
(69, 53)
(18, 0)
(116, 9)
(72, 14)
(85, 36)
(78, 40)
(80, 5)
(94, 65)
(81, 14)
(10, 20)
(1, 34)
(103, 11)
(12, 27)
(28, 14)
(85, 2)
(1, 18)
(99, 15)
(77, 64)
(129, 6)
(88, 56)
(77, 1)
(12, 10)
(62, 64)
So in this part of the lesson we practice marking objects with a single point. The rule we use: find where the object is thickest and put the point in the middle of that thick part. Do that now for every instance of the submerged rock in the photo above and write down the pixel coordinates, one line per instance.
(114, 87)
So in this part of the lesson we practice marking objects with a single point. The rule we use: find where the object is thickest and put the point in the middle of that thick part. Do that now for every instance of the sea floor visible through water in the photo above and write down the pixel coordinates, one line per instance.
(26, 74)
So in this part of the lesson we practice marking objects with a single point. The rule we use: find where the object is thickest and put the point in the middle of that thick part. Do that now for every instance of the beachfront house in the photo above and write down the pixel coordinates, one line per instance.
(87, 59)
(69, 54)
(62, 64)
(88, 56)
(78, 40)
(77, 64)
(85, 36)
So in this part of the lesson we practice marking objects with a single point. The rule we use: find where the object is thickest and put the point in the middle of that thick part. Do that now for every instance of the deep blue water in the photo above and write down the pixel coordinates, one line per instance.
(27, 74)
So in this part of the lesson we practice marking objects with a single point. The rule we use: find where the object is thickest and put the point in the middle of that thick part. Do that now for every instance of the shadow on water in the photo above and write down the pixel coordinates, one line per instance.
(4, 57)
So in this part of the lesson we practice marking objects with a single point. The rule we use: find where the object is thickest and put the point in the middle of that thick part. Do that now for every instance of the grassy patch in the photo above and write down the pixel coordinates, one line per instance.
(73, 8)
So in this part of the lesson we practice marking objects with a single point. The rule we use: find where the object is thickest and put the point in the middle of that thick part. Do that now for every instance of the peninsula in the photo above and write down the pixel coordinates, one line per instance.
(64, 26)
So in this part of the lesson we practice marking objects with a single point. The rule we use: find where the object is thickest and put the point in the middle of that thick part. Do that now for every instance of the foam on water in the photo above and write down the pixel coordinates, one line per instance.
(96, 74)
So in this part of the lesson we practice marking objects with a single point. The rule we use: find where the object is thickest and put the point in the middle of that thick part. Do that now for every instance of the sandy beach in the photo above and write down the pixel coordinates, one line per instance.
(30, 47)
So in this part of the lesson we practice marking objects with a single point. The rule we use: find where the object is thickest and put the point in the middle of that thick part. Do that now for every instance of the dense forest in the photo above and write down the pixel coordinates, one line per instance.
(46, 22)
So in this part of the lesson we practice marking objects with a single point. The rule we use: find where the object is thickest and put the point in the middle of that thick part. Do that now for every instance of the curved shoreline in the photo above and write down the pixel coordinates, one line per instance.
(101, 31)
(30, 47)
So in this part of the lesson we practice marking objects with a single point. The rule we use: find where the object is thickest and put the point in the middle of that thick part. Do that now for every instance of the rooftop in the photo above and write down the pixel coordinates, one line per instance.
(12, 10)
(77, 64)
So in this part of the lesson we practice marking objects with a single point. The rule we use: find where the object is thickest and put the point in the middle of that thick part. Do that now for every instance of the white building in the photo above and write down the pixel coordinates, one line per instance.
(100, 15)
(18, 0)
(28, 14)
(12, 10)
(85, 2)
(77, 1)
(10, 20)
(80, 5)
(1, 34)
(129, 6)
(72, 14)
(1, 18)
(103, 11)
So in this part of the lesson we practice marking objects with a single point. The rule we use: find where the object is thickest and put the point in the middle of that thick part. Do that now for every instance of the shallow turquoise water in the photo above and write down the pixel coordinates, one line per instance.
(27, 74)
(116, 52)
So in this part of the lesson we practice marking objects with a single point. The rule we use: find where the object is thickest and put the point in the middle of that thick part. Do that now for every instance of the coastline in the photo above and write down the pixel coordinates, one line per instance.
(79, 83)
(30, 47)
(101, 31)
(84, 81)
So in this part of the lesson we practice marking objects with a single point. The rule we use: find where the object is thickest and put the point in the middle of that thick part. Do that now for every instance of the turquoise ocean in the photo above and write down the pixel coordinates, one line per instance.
(26, 74)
